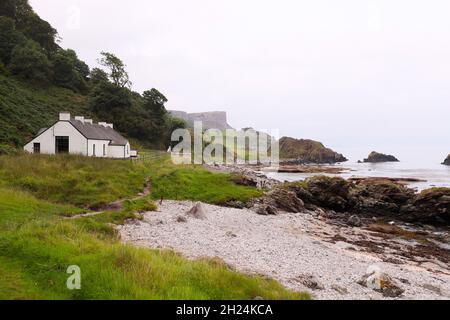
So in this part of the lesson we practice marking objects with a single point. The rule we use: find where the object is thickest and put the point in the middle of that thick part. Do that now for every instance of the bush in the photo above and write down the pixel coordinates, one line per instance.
(8, 150)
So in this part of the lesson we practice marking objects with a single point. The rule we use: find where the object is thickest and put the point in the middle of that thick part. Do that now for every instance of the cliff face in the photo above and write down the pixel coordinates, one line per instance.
(308, 151)
(447, 161)
(380, 157)
(210, 120)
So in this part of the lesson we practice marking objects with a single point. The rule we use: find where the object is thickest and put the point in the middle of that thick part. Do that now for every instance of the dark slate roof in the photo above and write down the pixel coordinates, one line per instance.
(98, 132)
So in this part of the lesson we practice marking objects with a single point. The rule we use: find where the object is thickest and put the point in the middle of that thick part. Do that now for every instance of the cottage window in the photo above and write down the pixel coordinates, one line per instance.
(36, 148)
(104, 149)
(62, 144)
(93, 150)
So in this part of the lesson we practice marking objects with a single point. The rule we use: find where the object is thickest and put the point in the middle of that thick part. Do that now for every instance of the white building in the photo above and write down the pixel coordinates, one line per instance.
(80, 136)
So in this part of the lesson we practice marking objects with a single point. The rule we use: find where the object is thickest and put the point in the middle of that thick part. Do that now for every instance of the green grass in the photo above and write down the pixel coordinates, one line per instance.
(75, 180)
(189, 182)
(38, 242)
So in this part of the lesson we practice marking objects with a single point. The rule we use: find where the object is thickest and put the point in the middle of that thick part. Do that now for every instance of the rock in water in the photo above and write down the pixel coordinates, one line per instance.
(197, 212)
(375, 157)
(381, 282)
(308, 151)
(447, 161)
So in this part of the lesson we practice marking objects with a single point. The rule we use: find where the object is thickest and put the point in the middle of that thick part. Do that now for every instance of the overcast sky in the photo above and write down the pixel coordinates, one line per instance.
(354, 74)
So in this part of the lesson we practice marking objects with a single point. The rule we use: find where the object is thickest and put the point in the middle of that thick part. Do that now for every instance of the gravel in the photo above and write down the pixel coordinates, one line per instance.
(288, 248)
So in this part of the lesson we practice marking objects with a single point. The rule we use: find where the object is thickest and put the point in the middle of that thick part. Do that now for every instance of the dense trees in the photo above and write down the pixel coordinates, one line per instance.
(29, 61)
(29, 50)
(69, 72)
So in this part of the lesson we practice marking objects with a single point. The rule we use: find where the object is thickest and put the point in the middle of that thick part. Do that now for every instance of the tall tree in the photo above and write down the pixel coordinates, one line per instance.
(116, 68)
(154, 102)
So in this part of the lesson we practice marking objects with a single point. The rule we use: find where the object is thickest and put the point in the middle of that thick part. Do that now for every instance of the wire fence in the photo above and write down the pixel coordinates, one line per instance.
(148, 156)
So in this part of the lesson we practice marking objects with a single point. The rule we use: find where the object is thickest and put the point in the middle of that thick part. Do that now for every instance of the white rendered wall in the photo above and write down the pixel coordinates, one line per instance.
(117, 152)
(98, 148)
(77, 142)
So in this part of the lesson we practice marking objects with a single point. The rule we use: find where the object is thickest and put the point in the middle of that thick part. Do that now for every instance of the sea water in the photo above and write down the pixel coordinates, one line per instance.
(432, 174)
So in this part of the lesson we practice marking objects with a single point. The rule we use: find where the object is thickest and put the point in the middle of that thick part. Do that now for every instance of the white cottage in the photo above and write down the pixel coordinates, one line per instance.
(80, 136)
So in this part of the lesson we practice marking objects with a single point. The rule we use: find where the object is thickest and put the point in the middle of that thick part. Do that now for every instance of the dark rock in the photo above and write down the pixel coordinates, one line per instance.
(301, 192)
(380, 157)
(380, 197)
(354, 221)
(285, 200)
(307, 151)
(447, 161)
(265, 210)
(236, 204)
(181, 219)
(331, 193)
(429, 206)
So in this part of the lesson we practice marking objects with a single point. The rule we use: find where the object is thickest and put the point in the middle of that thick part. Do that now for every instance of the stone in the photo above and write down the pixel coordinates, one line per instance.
(354, 221)
(285, 200)
(381, 282)
(198, 212)
(309, 281)
(339, 289)
(447, 161)
(181, 219)
(231, 234)
(265, 209)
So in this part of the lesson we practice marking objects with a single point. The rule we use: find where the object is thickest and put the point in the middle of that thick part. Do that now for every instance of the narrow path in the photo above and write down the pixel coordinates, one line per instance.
(117, 205)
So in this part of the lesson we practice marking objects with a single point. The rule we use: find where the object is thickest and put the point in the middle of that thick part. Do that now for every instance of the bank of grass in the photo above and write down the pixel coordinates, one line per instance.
(75, 180)
(38, 242)
(190, 182)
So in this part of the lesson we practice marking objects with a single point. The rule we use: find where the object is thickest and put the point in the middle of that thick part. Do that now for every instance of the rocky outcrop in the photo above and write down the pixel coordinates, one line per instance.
(375, 157)
(372, 197)
(285, 200)
(447, 161)
(429, 205)
(331, 193)
(303, 151)
(210, 120)
(279, 199)
(380, 197)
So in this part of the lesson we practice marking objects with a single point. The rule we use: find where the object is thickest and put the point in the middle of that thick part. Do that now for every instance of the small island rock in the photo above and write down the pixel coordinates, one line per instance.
(375, 157)
(447, 161)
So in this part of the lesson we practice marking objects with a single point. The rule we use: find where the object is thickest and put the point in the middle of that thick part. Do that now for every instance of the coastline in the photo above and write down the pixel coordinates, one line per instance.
(302, 251)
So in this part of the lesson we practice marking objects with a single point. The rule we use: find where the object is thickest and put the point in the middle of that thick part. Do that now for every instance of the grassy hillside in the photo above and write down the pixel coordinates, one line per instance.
(38, 242)
(25, 108)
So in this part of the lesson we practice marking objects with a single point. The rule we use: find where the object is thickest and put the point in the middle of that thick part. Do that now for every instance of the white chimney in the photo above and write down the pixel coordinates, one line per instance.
(79, 118)
(89, 121)
(102, 124)
(110, 125)
(64, 116)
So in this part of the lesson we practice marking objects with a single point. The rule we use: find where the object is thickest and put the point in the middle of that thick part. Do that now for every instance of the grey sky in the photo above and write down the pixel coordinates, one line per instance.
(354, 74)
